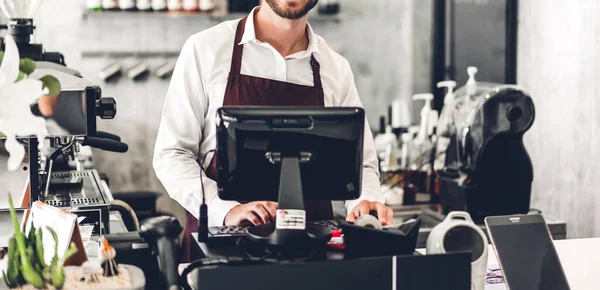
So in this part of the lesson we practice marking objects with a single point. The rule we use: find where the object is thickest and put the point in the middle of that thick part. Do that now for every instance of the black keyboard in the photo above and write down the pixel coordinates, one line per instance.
(239, 231)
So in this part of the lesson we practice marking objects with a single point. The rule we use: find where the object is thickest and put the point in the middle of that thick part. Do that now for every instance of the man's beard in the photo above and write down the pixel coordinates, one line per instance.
(289, 13)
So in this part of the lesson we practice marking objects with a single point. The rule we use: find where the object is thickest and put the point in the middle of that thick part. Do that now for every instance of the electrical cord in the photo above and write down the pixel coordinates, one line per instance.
(203, 215)
(204, 170)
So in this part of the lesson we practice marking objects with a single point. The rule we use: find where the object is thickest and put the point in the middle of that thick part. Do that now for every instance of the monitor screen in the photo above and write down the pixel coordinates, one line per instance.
(328, 142)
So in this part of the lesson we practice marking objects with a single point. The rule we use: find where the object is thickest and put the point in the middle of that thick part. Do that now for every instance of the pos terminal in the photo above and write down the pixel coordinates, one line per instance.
(290, 155)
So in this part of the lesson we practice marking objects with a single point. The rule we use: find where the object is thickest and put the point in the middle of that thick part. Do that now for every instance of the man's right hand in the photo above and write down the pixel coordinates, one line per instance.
(255, 213)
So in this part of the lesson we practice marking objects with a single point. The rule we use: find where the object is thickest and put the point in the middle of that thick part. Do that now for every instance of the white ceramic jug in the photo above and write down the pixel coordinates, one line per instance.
(458, 233)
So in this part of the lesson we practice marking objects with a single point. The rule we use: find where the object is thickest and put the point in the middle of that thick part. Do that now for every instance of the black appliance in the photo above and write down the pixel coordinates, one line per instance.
(487, 169)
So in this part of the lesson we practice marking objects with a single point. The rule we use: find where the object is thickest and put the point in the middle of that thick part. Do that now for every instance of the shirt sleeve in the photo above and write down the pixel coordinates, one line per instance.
(176, 152)
(371, 189)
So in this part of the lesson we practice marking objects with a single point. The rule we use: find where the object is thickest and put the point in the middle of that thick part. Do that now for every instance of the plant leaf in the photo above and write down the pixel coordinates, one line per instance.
(20, 76)
(40, 248)
(27, 66)
(7, 282)
(55, 238)
(70, 252)
(52, 84)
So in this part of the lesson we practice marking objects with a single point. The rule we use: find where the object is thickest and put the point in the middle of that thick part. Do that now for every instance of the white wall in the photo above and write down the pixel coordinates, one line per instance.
(559, 65)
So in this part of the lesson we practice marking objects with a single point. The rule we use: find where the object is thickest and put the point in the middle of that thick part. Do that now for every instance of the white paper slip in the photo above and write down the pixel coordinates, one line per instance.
(290, 219)
(64, 224)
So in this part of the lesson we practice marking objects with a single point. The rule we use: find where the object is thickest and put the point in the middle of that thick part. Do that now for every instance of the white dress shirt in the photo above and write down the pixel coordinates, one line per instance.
(187, 128)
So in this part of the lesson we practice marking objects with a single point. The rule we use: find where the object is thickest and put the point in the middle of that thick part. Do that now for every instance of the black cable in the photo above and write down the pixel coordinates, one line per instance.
(203, 211)
(203, 170)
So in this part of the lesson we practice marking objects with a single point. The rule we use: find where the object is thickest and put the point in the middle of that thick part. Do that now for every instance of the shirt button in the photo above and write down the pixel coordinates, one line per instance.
(281, 70)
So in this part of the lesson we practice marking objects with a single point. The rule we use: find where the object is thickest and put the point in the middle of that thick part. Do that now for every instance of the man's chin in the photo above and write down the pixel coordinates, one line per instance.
(291, 9)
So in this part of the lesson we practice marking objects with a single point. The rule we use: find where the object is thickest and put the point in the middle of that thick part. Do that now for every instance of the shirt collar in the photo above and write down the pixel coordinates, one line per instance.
(250, 34)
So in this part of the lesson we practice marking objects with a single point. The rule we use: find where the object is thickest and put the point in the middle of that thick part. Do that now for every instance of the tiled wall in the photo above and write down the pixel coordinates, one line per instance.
(375, 36)
(559, 64)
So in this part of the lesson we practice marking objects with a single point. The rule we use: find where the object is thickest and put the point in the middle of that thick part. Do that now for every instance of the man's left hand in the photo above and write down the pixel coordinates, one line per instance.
(385, 214)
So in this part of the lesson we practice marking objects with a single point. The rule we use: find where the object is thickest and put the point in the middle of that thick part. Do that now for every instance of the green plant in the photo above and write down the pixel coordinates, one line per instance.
(26, 263)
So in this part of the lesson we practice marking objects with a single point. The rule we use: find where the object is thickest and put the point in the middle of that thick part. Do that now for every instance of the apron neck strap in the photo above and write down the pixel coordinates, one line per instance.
(238, 50)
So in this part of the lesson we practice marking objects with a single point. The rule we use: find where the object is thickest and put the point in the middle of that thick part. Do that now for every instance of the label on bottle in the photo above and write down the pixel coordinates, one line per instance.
(290, 219)
(110, 4)
(174, 4)
(190, 5)
(143, 4)
(159, 5)
(206, 5)
(93, 4)
(126, 4)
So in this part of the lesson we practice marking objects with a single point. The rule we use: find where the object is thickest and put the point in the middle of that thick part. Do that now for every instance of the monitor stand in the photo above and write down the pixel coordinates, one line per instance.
(289, 235)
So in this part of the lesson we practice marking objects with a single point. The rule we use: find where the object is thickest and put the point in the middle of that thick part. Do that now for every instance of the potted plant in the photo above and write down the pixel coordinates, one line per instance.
(26, 263)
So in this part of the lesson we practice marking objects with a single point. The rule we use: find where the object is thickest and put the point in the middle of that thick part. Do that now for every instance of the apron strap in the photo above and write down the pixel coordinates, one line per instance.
(238, 49)
(316, 68)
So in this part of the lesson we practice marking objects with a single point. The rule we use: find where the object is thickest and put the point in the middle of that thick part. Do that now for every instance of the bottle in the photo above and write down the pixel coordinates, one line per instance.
(400, 117)
(445, 125)
(93, 5)
(110, 5)
(383, 141)
(381, 125)
(127, 5)
(206, 5)
(446, 120)
(190, 5)
(422, 143)
(406, 149)
(159, 5)
(432, 123)
(143, 5)
(471, 82)
(425, 115)
(174, 5)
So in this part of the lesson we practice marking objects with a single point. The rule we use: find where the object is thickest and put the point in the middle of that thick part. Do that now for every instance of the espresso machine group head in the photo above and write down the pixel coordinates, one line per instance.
(487, 169)
(21, 30)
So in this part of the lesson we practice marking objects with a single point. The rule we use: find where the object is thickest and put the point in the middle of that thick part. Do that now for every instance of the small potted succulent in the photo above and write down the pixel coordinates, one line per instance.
(26, 263)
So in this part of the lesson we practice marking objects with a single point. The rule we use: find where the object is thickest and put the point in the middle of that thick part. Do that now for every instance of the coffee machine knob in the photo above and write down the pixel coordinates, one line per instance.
(106, 108)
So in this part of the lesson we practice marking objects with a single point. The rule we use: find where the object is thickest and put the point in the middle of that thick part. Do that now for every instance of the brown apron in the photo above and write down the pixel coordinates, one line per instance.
(244, 90)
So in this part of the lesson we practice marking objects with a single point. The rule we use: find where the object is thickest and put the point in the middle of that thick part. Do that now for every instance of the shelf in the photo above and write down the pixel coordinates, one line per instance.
(127, 54)
(216, 15)
(150, 14)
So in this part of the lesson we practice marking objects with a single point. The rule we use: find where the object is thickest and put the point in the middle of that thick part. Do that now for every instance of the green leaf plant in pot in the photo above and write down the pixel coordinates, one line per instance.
(26, 263)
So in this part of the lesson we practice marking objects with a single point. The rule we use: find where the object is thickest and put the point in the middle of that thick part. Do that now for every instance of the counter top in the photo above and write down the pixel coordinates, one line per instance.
(580, 259)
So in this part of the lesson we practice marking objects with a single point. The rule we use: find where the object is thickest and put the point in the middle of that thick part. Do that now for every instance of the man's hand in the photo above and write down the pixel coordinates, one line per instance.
(256, 213)
(385, 214)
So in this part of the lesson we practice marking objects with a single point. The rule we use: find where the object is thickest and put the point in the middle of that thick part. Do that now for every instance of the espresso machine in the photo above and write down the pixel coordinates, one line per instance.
(70, 125)
(487, 170)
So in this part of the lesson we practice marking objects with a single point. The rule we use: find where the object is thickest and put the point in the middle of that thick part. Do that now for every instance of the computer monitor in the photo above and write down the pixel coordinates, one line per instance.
(289, 154)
